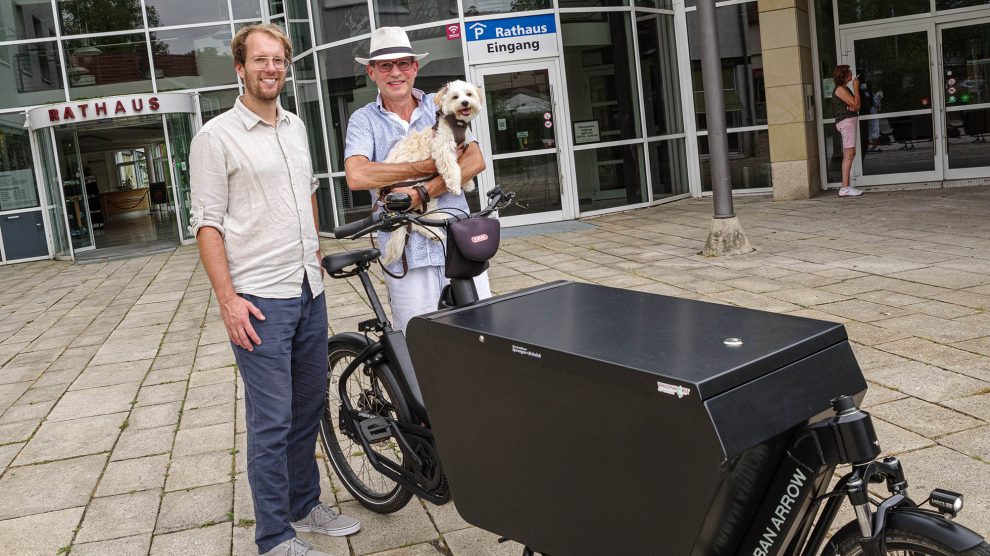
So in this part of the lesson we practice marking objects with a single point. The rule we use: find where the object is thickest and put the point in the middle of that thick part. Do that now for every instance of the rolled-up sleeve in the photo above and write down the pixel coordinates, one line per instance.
(208, 183)
(360, 139)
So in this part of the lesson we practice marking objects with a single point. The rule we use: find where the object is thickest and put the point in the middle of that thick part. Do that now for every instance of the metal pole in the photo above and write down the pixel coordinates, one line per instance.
(711, 73)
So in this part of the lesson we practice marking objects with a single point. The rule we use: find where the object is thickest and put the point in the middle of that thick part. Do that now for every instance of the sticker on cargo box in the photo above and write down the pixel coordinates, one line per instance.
(673, 389)
(526, 351)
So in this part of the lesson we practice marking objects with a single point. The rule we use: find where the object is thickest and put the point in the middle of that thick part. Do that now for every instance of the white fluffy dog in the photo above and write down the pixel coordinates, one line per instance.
(458, 103)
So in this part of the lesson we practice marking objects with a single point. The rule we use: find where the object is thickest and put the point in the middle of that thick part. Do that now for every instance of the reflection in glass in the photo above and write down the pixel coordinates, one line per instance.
(402, 13)
(661, 4)
(30, 19)
(346, 88)
(825, 28)
(17, 187)
(535, 179)
(80, 17)
(72, 189)
(301, 38)
(894, 73)
(180, 134)
(351, 205)
(592, 3)
(902, 144)
(324, 206)
(56, 209)
(601, 75)
(182, 12)
(334, 21)
(194, 57)
(852, 11)
(966, 62)
(668, 168)
(749, 160)
(214, 103)
(108, 66)
(610, 177)
(246, 9)
(954, 4)
(742, 65)
(968, 138)
(484, 7)
(833, 154)
(308, 109)
(518, 106)
(31, 76)
(661, 85)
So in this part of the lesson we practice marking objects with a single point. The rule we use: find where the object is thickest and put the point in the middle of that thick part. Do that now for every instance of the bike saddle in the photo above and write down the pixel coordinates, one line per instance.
(335, 263)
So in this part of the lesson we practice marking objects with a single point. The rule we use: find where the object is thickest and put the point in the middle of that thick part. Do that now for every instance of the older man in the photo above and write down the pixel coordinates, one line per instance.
(414, 284)
(254, 217)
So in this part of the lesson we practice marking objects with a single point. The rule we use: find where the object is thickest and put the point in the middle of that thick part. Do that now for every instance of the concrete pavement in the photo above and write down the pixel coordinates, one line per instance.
(121, 415)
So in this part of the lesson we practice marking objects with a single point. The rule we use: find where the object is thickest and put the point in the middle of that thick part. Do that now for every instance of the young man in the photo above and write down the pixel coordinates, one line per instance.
(254, 217)
(371, 133)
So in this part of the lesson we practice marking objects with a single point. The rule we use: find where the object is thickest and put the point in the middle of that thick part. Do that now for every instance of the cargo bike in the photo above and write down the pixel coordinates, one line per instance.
(579, 419)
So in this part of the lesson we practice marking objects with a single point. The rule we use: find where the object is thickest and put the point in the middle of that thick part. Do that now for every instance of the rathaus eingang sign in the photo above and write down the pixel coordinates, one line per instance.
(511, 38)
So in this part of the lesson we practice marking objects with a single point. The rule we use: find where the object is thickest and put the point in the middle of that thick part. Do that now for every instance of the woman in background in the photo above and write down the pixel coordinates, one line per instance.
(845, 108)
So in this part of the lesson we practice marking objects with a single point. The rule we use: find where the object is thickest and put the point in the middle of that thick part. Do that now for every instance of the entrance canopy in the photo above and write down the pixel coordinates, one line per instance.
(106, 108)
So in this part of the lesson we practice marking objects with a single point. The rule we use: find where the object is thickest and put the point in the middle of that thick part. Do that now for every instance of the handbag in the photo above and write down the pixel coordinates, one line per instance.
(470, 244)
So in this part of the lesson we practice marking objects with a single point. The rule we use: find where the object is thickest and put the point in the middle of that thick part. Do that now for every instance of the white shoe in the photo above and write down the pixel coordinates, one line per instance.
(294, 547)
(322, 519)
(849, 191)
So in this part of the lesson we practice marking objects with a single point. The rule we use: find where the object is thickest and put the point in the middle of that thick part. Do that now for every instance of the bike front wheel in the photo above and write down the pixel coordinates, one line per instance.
(899, 543)
(371, 389)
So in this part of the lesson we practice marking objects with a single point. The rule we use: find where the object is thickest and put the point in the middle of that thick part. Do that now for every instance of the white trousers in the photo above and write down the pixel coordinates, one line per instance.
(419, 290)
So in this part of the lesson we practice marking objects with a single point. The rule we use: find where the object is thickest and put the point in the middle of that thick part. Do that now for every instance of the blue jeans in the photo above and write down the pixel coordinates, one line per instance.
(285, 387)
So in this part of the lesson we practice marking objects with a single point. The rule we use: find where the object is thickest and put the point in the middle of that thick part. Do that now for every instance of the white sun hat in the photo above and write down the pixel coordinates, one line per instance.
(389, 43)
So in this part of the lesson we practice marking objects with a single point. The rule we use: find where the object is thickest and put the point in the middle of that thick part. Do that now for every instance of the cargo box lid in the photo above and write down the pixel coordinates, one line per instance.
(682, 340)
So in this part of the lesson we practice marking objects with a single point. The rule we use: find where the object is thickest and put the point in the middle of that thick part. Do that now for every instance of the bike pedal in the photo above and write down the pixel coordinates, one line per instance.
(375, 429)
(369, 325)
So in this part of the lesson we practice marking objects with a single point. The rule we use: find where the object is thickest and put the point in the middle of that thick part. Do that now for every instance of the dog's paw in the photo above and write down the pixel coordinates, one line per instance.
(469, 186)
(455, 189)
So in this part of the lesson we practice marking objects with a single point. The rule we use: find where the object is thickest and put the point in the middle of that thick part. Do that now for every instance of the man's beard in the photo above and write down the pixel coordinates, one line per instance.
(254, 87)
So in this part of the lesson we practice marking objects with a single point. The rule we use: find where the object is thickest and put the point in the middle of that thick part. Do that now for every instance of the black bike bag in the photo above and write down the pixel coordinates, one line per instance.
(470, 244)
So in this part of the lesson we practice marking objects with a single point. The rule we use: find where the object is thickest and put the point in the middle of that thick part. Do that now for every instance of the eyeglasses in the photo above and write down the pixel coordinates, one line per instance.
(386, 67)
(261, 62)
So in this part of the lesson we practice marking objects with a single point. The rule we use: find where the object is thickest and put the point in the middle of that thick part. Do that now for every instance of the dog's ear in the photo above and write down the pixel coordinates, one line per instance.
(441, 97)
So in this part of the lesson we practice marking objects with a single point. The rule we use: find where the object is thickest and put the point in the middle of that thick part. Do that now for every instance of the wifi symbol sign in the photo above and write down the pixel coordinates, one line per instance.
(453, 32)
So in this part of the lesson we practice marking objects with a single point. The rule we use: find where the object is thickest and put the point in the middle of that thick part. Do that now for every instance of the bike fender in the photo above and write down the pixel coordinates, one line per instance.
(935, 527)
(351, 337)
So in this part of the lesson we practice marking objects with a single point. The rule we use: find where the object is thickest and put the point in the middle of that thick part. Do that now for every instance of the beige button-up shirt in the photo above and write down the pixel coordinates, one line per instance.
(254, 182)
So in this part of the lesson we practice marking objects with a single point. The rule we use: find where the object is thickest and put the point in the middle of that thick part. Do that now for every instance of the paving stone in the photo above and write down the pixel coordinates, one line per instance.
(974, 443)
(896, 440)
(37, 394)
(21, 535)
(164, 376)
(199, 470)
(478, 542)
(181, 359)
(133, 475)
(926, 419)
(161, 393)
(66, 439)
(204, 439)
(117, 373)
(243, 541)
(31, 489)
(7, 453)
(95, 401)
(933, 328)
(195, 508)
(204, 416)
(243, 503)
(927, 382)
(943, 277)
(409, 525)
(18, 431)
(877, 394)
(212, 376)
(153, 416)
(446, 518)
(423, 549)
(214, 539)
(136, 443)
(127, 546)
(977, 406)
(213, 394)
(123, 515)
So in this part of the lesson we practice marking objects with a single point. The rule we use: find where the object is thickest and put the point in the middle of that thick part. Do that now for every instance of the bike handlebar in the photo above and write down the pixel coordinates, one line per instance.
(390, 220)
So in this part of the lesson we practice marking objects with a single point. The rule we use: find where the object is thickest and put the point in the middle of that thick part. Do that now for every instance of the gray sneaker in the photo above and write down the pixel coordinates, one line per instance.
(294, 547)
(322, 519)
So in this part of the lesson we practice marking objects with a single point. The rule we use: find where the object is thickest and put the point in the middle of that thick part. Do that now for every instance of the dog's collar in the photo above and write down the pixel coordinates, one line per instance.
(457, 126)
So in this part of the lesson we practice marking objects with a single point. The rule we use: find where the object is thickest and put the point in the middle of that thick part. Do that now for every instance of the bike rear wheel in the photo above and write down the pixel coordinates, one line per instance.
(371, 389)
(899, 543)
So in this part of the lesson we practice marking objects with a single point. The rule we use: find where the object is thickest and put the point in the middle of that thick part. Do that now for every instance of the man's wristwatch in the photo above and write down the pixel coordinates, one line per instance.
(424, 195)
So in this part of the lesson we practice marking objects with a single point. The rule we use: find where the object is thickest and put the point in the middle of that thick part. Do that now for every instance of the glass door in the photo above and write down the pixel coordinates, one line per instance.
(965, 50)
(898, 126)
(178, 136)
(54, 201)
(74, 189)
(520, 136)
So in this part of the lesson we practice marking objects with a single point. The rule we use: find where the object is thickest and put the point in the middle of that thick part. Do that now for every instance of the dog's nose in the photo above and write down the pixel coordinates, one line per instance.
(464, 103)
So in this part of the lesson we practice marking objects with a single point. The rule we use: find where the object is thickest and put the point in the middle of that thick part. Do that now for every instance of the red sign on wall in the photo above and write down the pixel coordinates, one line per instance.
(453, 32)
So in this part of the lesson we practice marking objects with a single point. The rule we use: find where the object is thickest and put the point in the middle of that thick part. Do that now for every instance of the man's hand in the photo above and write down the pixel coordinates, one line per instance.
(413, 195)
(236, 313)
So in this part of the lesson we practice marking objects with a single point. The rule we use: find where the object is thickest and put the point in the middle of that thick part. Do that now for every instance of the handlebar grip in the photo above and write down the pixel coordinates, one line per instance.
(352, 228)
